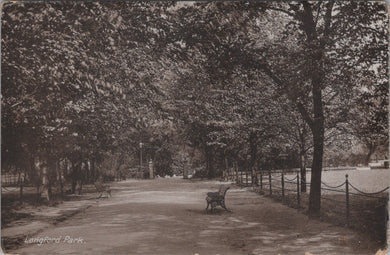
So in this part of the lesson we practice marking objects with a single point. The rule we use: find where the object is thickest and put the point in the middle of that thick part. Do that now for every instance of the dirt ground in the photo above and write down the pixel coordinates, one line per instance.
(167, 216)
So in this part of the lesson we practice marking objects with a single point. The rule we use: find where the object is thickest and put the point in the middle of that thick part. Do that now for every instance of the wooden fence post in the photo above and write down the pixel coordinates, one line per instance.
(298, 197)
(246, 176)
(270, 185)
(347, 197)
(242, 179)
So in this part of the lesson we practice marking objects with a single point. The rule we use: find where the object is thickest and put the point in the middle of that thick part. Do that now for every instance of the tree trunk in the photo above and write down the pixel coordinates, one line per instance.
(51, 175)
(209, 162)
(317, 79)
(59, 172)
(80, 187)
(302, 156)
(46, 181)
(371, 149)
(120, 162)
(93, 174)
(38, 185)
(21, 188)
(303, 171)
(74, 184)
(253, 148)
(226, 162)
(74, 177)
(315, 185)
(49, 192)
(82, 175)
(318, 142)
(66, 168)
(34, 175)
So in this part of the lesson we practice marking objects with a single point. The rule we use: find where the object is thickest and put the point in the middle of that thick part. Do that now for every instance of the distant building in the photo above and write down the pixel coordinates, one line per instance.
(384, 163)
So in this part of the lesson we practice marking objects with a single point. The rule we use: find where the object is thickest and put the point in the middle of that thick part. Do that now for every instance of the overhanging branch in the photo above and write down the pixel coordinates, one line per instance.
(302, 110)
(305, 115)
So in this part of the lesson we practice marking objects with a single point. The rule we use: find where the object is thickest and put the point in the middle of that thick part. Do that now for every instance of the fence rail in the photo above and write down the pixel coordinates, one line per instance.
(271, 182)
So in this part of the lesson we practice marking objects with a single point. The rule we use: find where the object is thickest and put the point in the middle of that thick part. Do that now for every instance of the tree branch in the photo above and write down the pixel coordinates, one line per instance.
(302, 110)
(308, 21)
(282, 10)
(305, 115)
(318, 12)
(328, 18)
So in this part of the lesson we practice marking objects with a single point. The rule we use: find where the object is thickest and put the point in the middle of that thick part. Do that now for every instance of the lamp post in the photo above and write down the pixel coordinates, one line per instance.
(140, 158)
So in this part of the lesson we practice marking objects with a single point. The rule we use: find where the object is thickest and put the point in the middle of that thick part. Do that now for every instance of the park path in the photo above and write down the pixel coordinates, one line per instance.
(166, 216)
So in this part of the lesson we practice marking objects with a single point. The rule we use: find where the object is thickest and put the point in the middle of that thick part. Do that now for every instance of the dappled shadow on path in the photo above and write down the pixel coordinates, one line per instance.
(169, 217)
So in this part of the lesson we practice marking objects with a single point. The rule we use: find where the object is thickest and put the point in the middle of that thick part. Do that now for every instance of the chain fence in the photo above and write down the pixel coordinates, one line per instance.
(344, 204)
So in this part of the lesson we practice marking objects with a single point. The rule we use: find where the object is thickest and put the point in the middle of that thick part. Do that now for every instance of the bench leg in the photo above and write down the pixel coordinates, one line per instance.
(223, 205)
(213, 206)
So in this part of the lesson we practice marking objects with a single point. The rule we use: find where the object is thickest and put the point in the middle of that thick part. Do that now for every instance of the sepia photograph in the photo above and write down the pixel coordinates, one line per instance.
(195, 127)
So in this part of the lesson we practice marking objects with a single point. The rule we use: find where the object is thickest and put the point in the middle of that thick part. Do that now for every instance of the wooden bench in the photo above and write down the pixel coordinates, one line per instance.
(102, 188)
(217, 198)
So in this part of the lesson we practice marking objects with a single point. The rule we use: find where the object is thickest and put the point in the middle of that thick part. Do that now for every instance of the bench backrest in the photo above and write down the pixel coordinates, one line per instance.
(222, 190)
(99, 186)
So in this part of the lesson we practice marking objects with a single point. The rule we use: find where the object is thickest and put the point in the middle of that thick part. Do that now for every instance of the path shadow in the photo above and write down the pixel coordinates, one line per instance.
(218, 211)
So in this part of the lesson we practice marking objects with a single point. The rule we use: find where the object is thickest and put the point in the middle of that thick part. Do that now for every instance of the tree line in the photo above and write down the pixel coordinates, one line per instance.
(260, 85)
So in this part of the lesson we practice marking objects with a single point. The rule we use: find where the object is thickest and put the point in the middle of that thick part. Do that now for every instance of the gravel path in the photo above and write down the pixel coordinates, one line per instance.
(167, 216)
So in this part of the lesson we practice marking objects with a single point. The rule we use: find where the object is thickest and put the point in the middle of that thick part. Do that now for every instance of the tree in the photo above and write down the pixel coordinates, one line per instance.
(88, 81)
(369, 121)
(313, 69)
(310, 71)
(59, 69)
